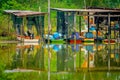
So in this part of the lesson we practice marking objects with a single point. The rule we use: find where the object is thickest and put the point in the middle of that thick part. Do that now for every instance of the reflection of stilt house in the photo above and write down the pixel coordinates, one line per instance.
(19, 19)
(29, 57)
(65, 60)
(108, 57)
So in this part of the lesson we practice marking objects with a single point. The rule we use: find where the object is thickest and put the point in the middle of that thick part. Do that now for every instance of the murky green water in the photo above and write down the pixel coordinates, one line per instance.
(62, 62)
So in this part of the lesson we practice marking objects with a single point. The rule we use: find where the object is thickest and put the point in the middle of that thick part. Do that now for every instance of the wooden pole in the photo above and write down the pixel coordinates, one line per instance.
(109, 41)
(49, 28)
(109, 30)
(88, 66)
(88, 22)
(8, 25)
(49, 23)
(80, 24)
(97, 28)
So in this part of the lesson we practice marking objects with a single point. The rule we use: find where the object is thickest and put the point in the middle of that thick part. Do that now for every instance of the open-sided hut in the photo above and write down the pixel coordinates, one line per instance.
(66, 19)
(32, 18)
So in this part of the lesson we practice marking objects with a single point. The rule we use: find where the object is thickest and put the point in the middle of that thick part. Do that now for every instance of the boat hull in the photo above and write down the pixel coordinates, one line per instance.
(22, 39)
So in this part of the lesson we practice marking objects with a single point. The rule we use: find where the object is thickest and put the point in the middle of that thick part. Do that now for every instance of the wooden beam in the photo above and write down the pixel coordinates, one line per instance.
(101, 15)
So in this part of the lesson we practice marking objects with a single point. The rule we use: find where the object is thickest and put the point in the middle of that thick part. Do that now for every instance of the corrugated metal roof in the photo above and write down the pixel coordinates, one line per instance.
(85, 10)
(104, 8)
(12, 11)
(21, 13)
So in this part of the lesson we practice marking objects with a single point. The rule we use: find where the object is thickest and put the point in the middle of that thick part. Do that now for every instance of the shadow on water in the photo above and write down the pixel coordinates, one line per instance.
(64, 62)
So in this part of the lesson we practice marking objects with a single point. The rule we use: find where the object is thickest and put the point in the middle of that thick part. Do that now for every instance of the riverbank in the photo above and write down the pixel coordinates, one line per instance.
(9, 41)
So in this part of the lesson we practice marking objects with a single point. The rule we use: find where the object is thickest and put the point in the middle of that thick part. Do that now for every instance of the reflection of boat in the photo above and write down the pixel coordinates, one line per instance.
(55, 47)
(75, 47)
(88, 40)
(27, 45)
(111, 41)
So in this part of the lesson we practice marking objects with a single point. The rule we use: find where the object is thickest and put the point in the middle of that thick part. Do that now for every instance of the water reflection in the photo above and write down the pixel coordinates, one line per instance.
(29, 57)
(66, 61)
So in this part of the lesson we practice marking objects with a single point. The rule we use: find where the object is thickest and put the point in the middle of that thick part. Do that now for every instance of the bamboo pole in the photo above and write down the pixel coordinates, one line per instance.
(49, 28)
(49, 22)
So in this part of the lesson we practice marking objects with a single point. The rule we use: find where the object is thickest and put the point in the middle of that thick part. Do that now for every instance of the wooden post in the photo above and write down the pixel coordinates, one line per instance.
(119, 28)
(75, 21)
(22, 29)
(109, 41)
(8, 25)
(75, 61)
(75, 37)
(109, 37)
(88, 66)
(80, 25)
(66, 25)
(97, 28)
(80, 57)
(88, 22)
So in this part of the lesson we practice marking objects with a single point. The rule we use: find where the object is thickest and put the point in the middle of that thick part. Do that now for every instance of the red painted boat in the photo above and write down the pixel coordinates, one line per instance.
(75, 41)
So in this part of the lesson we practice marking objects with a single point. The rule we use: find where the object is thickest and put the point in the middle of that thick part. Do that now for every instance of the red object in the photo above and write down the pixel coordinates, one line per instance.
(75, 41)
(111, 41)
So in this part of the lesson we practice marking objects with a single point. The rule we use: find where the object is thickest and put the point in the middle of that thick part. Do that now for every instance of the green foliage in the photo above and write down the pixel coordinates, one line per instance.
(103, 3)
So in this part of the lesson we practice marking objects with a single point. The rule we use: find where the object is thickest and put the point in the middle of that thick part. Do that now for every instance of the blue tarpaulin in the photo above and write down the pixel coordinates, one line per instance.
(75, 35)
(89, 35)
(57, 35)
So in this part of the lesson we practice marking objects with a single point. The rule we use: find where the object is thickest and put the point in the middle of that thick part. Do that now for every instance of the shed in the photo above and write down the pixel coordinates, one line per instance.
(66, 18)
(32, 17)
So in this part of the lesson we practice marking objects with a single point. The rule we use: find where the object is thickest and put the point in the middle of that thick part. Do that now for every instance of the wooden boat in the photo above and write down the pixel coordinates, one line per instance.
(77, 41)
(28, 39)
(57, 41)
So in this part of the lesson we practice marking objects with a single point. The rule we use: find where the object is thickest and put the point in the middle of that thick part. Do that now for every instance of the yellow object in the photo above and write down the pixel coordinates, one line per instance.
(85, 17)
(112, 23)
(112, 55)
(86, 39)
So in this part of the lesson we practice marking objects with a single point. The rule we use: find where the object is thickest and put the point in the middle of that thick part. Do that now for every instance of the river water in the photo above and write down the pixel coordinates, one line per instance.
(61, 61)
